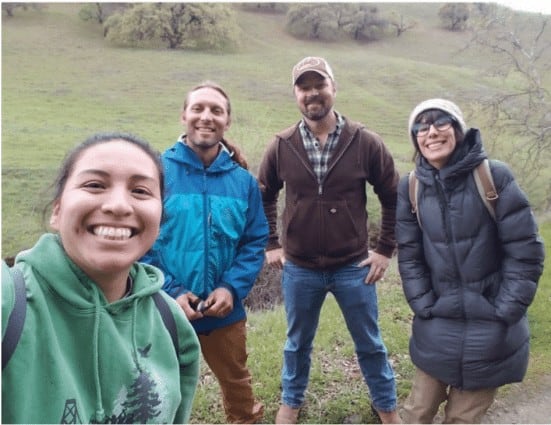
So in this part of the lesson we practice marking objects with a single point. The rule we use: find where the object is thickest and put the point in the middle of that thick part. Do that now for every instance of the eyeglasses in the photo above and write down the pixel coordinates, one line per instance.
(441, 124)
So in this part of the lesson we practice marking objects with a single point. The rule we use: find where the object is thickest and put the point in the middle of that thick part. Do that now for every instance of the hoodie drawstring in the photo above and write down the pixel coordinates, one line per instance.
(134, 343)
(100, 413)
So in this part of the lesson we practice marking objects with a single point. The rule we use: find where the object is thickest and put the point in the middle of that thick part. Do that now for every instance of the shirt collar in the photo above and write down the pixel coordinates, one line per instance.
(340, 123)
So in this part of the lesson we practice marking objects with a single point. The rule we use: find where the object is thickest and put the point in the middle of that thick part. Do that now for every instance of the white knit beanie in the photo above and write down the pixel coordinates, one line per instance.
(441, 104)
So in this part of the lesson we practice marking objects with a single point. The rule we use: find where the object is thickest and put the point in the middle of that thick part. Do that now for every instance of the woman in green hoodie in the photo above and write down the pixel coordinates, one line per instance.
(95, 347)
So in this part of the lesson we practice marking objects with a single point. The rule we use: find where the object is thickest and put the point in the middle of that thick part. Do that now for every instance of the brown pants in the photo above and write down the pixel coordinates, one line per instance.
(428, 393)
(225, 351)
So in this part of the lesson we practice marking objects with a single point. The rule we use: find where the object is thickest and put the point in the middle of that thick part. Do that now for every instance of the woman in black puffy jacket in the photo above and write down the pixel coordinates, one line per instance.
(468, 277)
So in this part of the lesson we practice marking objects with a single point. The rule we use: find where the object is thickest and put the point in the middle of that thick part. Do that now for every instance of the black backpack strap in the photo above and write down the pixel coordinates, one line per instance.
(16, 320)
(168, 318)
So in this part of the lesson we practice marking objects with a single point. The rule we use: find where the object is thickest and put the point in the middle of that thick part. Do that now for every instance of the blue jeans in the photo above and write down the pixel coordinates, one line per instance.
(304, 291)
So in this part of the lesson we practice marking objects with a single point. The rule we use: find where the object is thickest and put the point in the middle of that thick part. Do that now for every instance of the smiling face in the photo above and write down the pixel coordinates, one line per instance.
(315, 95)
(438, 143)
(206, 118)
(109, 212)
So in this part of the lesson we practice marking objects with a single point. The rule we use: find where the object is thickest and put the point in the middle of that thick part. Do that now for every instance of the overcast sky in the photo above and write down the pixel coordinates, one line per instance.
(538, 6)
(541, 6)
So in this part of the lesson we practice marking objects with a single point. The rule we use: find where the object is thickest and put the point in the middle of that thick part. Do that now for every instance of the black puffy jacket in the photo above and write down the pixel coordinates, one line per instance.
(468, 279)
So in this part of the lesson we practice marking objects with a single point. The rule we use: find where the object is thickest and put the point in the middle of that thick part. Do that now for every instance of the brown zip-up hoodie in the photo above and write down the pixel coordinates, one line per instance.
(325, 225)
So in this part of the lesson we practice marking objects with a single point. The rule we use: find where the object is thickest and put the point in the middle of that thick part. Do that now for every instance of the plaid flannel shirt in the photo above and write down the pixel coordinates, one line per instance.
(319, 157)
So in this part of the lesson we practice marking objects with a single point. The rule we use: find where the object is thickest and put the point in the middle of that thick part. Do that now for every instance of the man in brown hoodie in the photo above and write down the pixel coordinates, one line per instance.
(325, 162)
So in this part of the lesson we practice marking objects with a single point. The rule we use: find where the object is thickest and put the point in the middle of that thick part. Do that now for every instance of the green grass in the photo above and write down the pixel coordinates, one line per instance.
(61, 83)
(337, 392)
(539, 317)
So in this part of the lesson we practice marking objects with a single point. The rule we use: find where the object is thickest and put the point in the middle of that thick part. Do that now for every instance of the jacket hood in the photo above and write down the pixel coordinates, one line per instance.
(48, 258)
(81, 357)
(466, 157)
(183, 154)
(64, 278)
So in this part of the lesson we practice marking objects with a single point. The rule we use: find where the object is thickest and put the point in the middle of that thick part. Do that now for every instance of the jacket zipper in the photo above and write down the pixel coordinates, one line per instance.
(337, 159)
(450, 243)
(308, 166)
(206, 226)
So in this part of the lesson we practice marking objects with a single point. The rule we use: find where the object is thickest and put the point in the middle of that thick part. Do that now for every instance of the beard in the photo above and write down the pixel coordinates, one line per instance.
(203, 144)
(318, 113)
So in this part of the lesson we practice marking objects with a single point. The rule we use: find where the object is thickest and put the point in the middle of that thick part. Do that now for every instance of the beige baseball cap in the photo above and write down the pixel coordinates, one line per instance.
(312, 63)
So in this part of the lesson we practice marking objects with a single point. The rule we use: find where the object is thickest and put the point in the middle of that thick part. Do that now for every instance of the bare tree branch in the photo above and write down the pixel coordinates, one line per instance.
(523, 109)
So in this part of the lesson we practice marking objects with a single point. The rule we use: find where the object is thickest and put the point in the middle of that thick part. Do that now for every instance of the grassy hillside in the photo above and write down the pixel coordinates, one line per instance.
(60, 83)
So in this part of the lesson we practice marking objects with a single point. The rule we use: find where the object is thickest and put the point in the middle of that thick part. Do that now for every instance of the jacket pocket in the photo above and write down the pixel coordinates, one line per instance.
(340, 234)
(321, 229)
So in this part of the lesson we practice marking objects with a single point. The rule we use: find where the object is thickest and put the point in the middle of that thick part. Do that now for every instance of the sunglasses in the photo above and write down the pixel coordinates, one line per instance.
(441, 124)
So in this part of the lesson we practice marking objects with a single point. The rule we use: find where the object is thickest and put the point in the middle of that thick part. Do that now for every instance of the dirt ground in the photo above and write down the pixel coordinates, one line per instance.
(524, 403)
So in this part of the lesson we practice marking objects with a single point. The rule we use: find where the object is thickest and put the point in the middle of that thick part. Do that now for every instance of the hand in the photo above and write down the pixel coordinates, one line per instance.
(188, 302)
(219, 303)
(275, 258)
(378, 264)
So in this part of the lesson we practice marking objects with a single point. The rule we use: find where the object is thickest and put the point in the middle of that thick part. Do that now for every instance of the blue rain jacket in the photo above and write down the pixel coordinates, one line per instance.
(213, 233)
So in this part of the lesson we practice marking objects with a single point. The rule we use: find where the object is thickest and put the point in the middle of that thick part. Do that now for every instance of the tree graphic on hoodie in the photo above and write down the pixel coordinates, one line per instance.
(142, 402)
(140, 406)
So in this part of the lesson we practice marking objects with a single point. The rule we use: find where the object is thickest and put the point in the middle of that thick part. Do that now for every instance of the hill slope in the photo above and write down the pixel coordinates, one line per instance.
(61, 82)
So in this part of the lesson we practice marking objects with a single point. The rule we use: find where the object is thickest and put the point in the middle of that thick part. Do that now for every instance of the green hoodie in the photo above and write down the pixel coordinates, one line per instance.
(81, 359)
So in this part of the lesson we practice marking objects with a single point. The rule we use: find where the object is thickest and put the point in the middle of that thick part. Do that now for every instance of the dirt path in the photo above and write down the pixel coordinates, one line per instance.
(525, 403)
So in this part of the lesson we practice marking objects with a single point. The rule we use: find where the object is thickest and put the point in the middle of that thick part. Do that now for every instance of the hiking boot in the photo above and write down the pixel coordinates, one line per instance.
(287, 415)
(387, 417)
